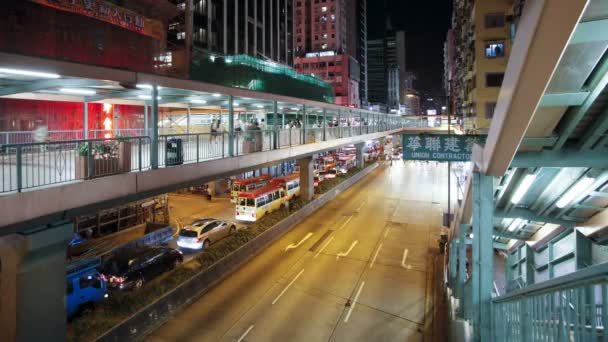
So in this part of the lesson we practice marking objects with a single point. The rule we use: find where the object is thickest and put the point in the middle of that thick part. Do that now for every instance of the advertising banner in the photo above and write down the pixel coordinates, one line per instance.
(110, 13)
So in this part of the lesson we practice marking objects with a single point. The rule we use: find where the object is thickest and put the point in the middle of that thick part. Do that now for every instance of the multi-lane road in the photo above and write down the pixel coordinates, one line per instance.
(359, 269)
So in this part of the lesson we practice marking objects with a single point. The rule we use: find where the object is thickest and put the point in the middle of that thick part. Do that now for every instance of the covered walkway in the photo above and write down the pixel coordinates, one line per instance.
(538, 214)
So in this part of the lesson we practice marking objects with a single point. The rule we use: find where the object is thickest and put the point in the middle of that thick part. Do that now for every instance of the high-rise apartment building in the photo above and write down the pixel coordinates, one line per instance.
(356, 41)
(326, 45)
(395, 54)
(258, 28)
(377, 82)
(387, 75)
(482, 43)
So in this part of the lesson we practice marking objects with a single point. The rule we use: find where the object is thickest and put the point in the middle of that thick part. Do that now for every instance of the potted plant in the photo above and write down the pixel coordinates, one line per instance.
(102, 157)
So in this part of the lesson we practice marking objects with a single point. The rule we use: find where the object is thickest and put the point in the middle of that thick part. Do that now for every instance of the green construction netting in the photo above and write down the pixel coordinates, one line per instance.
(243, 71)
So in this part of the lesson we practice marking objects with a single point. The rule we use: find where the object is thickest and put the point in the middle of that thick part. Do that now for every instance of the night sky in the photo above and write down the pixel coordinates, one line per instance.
(425, 23)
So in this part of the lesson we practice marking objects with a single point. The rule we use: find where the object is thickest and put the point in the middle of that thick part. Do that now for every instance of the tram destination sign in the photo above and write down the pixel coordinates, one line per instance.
(439, 147)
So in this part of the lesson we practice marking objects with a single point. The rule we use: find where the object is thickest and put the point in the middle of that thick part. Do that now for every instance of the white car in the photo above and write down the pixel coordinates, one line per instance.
(202, 233)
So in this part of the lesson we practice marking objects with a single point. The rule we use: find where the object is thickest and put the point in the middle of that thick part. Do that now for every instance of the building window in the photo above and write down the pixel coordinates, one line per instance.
(494, 79)
(324, 9)
(490, 107)
(495, 49)
(493, 20)
(181, 35)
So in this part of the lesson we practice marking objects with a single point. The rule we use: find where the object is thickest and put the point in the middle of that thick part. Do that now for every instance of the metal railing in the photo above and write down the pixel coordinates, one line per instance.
(25, 164)
(571, 307)
(29, 137)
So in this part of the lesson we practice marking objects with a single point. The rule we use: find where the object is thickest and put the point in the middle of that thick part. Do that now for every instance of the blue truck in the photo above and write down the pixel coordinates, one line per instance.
(85, 286)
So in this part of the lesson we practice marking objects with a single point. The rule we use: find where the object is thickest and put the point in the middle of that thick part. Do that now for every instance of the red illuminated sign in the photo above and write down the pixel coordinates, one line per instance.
(110, 13)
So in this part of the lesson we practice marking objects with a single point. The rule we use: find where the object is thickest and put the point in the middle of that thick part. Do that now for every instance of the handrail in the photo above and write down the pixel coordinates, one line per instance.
(582, 276)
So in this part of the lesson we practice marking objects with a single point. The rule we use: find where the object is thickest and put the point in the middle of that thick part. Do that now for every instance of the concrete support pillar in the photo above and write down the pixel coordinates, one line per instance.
(275, 125)
(231, 126)
(303, 131)
(360, 147)
(324, 124)
(188, 117)
(146, 116)
(85, 121)
(307, 186)
(33, 284)
(483, 256)
(462, 266)
(154, 127)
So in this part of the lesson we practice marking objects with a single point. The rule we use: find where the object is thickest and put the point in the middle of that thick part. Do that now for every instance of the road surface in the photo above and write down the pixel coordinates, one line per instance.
(359, 269)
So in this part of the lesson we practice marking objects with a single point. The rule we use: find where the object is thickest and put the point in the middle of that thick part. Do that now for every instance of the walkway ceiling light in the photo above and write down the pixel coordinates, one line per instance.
(235, 103)
(259, 105)
(295, 108)
(77, 91)
(148, 97)
(515, 224)
(216, 95)
(198, 101)
(523, 188)
(146, 86)
(581, 187)
(28, 73)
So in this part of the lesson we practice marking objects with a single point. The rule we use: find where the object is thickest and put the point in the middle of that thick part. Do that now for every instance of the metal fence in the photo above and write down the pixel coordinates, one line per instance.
(573, 307)
(29, 137)
(24, 166)
(65, 156)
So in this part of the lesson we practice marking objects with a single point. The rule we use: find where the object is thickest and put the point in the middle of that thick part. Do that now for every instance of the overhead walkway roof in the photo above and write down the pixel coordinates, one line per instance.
(556, 97)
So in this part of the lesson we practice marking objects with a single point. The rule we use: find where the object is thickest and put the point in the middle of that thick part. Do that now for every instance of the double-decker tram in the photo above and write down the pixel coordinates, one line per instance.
(249, 184)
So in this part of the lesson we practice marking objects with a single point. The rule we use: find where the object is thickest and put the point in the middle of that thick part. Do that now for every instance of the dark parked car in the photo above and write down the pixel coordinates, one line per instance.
(131, 269)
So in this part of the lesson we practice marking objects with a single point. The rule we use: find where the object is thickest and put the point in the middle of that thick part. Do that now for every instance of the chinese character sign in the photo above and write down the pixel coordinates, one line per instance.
(110, 13)
(440, 147)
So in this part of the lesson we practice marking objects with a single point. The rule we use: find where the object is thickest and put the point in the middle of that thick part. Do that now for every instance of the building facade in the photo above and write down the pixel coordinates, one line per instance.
(482, 43)
(395, 55)
(258, 28)
(326, 45)
(357, 41)
(131, 36)
(387, 75)
(377, 83)
(341, 70)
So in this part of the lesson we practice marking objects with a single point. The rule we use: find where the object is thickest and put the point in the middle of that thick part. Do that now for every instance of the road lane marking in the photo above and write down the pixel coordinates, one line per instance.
(387, 231)
(361, 205)
(345, 223)
(323, 247)
(375, 256)
(245, 333)
(405, 252)
(352, 306)
(348, 251)
(287, 287)
(299, 243)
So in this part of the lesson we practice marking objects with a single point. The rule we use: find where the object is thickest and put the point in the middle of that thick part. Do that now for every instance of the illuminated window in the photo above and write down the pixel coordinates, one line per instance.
(324, 46)
(324, 9)
(495, 49)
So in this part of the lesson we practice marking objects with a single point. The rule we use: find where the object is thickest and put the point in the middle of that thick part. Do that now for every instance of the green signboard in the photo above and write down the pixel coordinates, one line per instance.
(439, 147)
